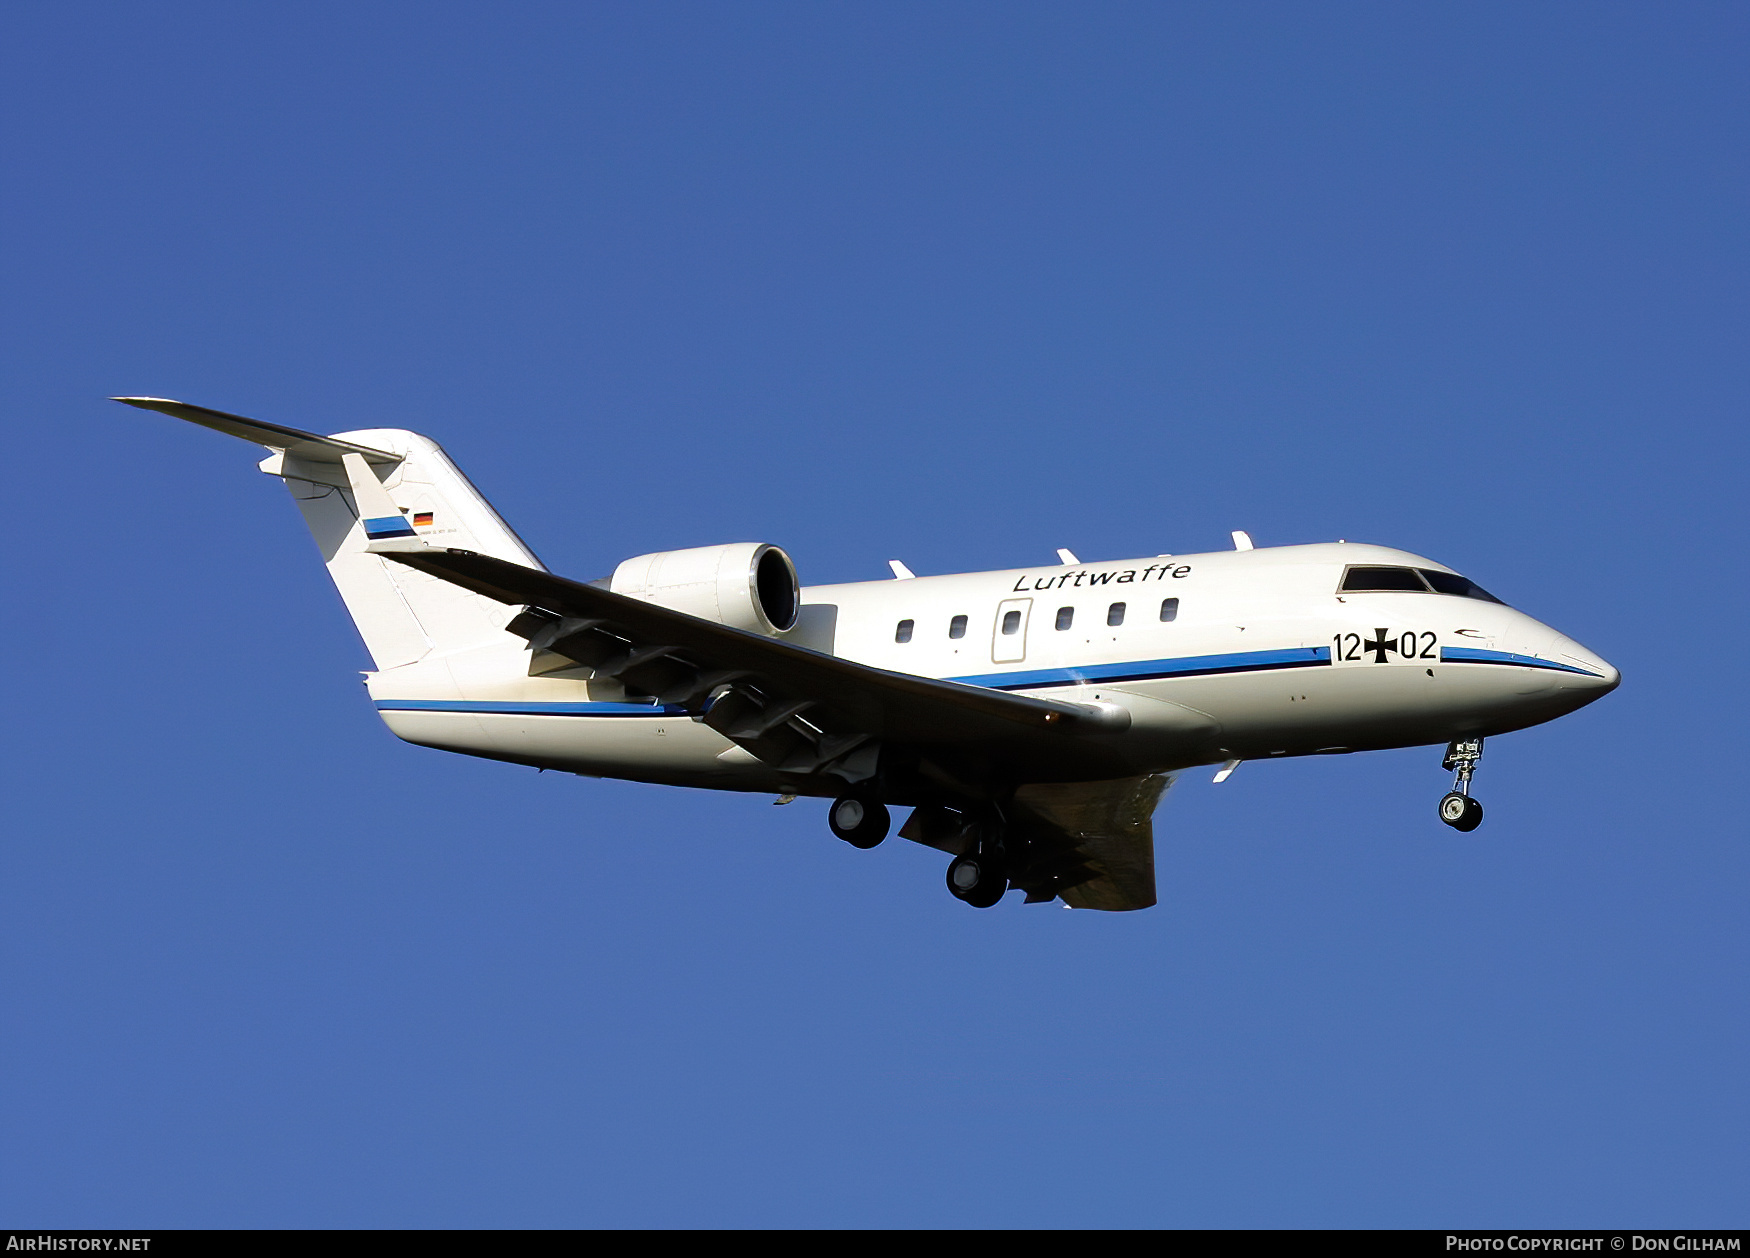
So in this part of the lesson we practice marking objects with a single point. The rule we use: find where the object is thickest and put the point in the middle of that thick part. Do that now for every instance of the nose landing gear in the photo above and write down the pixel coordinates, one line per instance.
(1461, 812)
(1457, 808)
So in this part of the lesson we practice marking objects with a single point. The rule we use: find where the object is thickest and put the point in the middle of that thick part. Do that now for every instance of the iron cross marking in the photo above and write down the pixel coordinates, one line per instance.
(1379, 644)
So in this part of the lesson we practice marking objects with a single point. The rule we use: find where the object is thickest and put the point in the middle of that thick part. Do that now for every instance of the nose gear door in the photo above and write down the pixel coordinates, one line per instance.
(1008, 642)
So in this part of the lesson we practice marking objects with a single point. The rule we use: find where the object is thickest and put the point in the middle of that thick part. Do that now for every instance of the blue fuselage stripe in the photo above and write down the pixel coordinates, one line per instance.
(1149, 670)
(531, 708)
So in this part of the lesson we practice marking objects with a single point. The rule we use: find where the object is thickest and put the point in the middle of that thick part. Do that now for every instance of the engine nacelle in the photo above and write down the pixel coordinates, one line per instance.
(749, 585)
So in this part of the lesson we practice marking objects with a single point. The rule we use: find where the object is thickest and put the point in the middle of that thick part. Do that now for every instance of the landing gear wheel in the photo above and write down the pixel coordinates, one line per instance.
(859, 822)
(1461, 812)
(977, 878)
(1457, 808)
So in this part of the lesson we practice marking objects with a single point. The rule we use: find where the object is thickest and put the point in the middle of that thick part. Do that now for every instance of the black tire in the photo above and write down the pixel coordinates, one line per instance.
(860, 822)
(977, 879)
(1461, 812)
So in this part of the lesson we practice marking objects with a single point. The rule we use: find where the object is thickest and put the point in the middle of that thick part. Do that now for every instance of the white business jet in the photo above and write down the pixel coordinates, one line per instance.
(1029, 718)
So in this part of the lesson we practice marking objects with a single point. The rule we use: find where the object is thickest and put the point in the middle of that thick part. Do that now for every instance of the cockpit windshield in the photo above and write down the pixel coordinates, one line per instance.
(1380, 579)
(1452, 583)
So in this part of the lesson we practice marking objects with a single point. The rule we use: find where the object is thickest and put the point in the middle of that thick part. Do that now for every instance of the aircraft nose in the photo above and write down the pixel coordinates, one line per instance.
(1606, 679)
(1598, 676)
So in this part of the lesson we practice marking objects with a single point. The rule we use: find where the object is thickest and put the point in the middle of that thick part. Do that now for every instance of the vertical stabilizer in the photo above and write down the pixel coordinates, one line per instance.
(402, 614)
(358, 487)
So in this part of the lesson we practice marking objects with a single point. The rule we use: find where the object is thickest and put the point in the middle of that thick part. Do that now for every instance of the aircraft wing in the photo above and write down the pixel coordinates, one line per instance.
(799, 710)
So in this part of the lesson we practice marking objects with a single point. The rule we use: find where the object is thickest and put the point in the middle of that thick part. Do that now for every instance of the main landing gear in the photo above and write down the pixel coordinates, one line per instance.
(1457, 808)
(979, 877)
(980, 874)
(859, 822)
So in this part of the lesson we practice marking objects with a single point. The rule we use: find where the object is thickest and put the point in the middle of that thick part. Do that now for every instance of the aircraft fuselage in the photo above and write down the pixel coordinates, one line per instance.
(1245, 654)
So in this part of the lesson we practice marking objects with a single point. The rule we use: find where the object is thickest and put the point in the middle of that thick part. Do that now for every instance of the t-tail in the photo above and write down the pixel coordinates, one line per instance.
(373, 486)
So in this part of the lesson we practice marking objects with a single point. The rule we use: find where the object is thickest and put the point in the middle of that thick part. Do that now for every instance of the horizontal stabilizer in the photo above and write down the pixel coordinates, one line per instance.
(303, 445)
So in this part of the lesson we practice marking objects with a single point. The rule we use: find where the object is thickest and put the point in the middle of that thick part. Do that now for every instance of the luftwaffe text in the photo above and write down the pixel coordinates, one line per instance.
(1080, 577)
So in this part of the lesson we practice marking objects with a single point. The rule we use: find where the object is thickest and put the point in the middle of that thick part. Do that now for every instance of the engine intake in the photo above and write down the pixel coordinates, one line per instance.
(748, 585)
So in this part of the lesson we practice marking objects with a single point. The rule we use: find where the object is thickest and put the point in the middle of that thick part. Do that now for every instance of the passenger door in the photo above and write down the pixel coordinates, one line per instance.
(1008, 643)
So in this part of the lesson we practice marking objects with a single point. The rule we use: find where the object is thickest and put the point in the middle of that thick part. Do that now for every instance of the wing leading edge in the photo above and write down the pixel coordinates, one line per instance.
(311, 446)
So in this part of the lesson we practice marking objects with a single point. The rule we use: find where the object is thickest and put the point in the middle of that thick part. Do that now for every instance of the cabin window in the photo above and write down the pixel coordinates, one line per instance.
(1452, 583)
(1011, 623)
(957, 627)
(1066, 616)
(1169, 609)
(1115, 614)
(903, 632)
(1369, 580)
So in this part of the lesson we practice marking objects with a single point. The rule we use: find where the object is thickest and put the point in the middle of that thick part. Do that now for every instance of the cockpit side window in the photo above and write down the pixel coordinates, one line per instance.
(1452, 583)
(1371, 580)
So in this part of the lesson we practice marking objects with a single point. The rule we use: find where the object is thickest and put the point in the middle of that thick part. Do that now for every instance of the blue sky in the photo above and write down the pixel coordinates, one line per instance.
(958, 283)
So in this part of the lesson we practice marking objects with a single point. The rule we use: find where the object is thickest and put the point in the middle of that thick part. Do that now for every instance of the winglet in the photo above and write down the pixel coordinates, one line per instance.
(1226, 771)
(900, 571)
(1242, 540)
(382, 519)
(1066, 556)
(310, 446)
